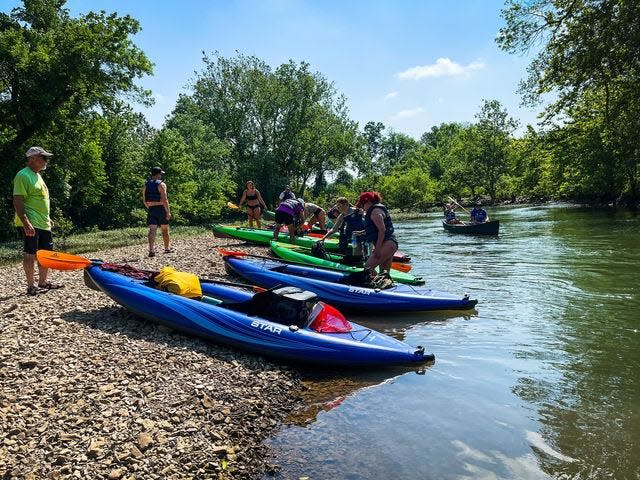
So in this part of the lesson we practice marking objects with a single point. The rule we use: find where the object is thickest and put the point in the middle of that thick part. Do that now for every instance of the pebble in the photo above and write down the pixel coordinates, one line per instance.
(89, 390)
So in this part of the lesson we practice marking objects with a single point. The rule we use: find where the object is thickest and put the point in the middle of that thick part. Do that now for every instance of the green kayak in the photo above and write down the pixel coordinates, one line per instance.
(298, 254)
(269, 215)
(263, 237)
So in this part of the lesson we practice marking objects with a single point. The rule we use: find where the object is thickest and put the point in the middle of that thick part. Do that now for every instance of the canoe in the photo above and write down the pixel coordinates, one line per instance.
(295, 253)
(487, 228)
(324, 283)
(245, 320)
(264, 237)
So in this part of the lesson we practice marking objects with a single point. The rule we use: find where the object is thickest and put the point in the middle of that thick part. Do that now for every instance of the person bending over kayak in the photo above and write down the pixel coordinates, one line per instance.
(348, 221)
(255, 203)
(379, 230)
(450, 214)
(286, 214)
(479, 214)
(314, 214)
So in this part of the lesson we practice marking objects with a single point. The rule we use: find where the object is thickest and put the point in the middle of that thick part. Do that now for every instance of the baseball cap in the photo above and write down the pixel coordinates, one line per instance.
(156, 170)
(38, 151)
(364, 197)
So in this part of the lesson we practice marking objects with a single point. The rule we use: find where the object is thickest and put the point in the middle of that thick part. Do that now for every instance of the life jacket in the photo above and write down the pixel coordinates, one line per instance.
(352, 222)
(151, 190)
(450, 215)
(290, 206)
(288, 195)
(181, 283)
(479, 214)
(371, 231)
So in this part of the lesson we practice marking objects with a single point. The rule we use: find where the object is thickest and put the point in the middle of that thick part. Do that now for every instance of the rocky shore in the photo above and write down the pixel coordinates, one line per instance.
(89, 391)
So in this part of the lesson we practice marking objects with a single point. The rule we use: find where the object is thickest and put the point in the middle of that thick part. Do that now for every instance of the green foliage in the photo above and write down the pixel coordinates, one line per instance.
(589, 60)
(283, 126)
(56, 72)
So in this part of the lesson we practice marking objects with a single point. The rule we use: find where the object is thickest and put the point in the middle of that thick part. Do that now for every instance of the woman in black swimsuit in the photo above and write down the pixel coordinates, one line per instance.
(255, 204)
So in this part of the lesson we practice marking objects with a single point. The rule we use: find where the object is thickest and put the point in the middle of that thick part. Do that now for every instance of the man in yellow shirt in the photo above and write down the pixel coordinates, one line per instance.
(31, 203)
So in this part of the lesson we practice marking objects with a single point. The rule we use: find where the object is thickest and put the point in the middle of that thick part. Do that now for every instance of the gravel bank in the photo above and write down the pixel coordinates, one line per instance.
(88, 390)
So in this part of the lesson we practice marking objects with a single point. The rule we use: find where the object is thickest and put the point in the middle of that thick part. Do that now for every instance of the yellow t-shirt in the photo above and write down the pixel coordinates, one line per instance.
(32, 188)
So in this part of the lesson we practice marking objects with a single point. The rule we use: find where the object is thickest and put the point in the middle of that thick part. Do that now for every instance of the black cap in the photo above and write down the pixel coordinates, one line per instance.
(156, 171)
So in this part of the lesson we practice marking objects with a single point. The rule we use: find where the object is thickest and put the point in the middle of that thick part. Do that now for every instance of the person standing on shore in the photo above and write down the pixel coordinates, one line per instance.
(154, 197)
(255, 204)
(286, 194)
(32, 217)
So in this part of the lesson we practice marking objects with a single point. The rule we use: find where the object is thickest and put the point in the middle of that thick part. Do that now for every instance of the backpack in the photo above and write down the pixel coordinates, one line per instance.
(319, 251)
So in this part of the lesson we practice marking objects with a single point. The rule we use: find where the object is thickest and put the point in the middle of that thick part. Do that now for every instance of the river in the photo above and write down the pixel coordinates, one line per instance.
(541, 381)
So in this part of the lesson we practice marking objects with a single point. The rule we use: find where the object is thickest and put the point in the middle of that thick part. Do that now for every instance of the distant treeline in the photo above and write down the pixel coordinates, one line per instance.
(67, 83)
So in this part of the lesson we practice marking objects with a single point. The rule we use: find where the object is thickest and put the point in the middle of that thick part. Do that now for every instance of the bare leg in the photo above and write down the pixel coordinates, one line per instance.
(386, 256)
(165, 236)
(322, 220)
(151, 236)
(276, 231)
(28, 262)
(292, 233)
(249, 218)
(42, 274)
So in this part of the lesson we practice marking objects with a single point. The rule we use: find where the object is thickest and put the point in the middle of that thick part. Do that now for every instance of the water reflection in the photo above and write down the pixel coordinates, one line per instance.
(540, 382)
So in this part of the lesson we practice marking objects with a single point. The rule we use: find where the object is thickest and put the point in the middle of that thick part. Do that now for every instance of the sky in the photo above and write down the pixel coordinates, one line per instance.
(410, 64)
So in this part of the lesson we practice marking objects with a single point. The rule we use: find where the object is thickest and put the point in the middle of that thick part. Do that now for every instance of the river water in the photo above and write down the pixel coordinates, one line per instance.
(541, 381)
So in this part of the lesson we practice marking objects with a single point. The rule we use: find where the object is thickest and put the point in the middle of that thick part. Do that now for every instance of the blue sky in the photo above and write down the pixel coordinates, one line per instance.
(409, 64)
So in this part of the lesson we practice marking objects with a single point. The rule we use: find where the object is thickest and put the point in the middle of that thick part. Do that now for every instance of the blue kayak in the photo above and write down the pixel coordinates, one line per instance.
(326, 284)
(269, 323)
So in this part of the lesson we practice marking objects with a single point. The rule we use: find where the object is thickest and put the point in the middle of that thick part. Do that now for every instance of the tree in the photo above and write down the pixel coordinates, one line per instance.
(494, 130)
(282, 125)
(56, 69)
(590, 50)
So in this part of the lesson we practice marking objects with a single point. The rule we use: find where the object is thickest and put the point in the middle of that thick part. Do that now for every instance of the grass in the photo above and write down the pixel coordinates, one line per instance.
(11, 252)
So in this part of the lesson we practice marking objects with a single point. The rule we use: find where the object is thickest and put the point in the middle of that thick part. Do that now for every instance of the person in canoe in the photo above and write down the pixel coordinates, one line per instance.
(479, 214)
(450, 214)
(255, 203)
(286, 214)
(347, 222)
(378, 228)
(314, 214)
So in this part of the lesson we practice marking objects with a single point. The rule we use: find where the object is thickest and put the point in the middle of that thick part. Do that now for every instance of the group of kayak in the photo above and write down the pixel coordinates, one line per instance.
(291, 307)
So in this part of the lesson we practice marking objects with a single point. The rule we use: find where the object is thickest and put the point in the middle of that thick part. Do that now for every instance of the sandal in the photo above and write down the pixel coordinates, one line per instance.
(32, 290)
(152, 254)
(50, 286)
(169, 250)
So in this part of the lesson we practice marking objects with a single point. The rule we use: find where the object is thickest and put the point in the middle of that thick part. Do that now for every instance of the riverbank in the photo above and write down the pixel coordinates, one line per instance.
(11, 252)
(91, 391)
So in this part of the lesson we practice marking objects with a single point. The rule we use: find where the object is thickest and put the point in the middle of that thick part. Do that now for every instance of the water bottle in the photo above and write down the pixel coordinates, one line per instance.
(354, 244)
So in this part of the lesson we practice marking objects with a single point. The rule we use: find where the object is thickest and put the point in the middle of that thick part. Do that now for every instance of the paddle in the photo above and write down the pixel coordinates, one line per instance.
(233, 206)
(66, 261)
(63, 261)
(459, 205)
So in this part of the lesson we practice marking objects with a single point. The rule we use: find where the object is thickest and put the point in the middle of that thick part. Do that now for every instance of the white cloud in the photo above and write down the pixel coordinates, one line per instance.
(403, 114)
(390, 95)
(444, 67)
(158, 97)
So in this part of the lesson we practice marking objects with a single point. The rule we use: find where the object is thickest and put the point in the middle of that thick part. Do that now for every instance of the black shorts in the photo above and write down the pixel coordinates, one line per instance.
(42, 240)
(157, 215)
(283, 218)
